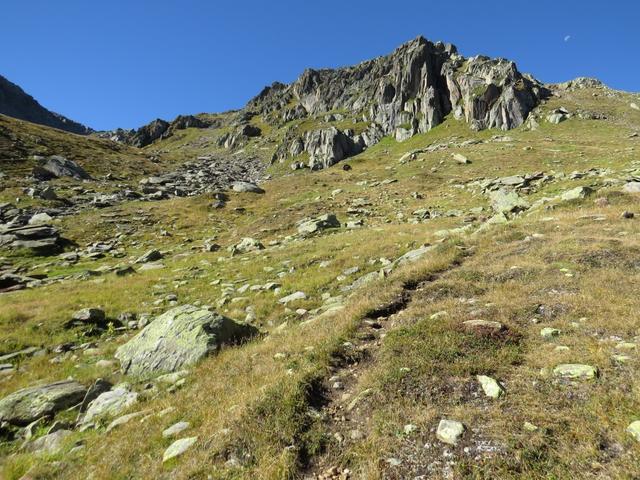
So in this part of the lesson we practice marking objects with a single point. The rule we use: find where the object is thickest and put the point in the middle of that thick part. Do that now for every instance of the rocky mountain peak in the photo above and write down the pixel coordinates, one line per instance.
(15, 102)
(407, 92)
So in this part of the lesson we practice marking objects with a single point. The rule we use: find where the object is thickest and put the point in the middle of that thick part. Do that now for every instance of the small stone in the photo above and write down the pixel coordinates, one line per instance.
(178, 447)
(529, 427)
(175, 429)
(621, 358)
(409, 429)
(548, 332)
(293, 297)
(634, 430)
(575, 371)
(490, 386)
(449, 431)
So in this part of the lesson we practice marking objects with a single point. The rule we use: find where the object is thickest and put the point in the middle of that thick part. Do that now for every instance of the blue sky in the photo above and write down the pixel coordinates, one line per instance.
(123, 63)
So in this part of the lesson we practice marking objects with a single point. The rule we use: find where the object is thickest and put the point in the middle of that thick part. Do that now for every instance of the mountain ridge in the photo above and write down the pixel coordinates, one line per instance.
(16, 103)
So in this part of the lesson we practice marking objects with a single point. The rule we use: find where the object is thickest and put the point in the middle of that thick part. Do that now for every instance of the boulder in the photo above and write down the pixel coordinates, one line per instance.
(109, 404)
(577, 193)
(322, 222)
(49, 444)
(150, 256)
(328, 146)
(504, 201)
(57, 167)
(246, 245)
(179, 338)
(244, 187)
(483, 327)
(87, 316)
(175, 429)
(29, 404)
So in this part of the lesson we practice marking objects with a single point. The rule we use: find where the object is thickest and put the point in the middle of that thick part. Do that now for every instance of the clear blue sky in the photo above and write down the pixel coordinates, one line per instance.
(125, 62)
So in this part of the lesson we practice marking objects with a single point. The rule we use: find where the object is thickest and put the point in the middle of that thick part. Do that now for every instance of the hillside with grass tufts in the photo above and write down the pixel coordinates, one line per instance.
(421, 266)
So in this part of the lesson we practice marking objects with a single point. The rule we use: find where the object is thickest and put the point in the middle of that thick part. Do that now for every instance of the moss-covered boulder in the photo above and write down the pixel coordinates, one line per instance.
(29, 404)
(179, 338)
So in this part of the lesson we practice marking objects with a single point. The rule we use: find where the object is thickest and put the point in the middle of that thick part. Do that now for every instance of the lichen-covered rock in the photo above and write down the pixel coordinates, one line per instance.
(490, 386)
(179, 338)
(449, 431)
(178, 447)
(110, 404)
(575, 371)
(29, 404)
(504, 201)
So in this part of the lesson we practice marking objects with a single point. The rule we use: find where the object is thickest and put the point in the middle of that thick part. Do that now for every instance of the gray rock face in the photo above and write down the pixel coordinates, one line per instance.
(155, 130)
(15, 102)
(179, 338)
(29, 404)
(57, 167)
(327, 147)
(407, 92)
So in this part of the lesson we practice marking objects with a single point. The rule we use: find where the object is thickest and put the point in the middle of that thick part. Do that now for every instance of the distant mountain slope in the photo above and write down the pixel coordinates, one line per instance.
(15, 102)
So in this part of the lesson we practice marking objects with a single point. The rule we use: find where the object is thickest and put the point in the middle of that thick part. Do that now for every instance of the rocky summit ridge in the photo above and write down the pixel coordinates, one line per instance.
(15, 102)
(402, 94)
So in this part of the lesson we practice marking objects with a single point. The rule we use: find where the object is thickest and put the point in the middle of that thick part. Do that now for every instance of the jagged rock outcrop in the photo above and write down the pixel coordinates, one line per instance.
(402, 94)
(16, 103)
(239, 136)
(155, 130)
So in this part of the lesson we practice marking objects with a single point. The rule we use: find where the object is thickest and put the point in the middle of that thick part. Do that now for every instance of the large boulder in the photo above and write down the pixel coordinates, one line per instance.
(57, 167)
(179, 338)
(29, 404)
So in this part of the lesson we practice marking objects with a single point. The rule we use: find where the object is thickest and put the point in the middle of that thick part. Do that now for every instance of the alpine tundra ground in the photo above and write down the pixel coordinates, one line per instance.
(353, 379)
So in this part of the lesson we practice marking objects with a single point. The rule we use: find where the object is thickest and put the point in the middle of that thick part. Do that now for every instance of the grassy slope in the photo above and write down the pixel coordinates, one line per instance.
(247, 401)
